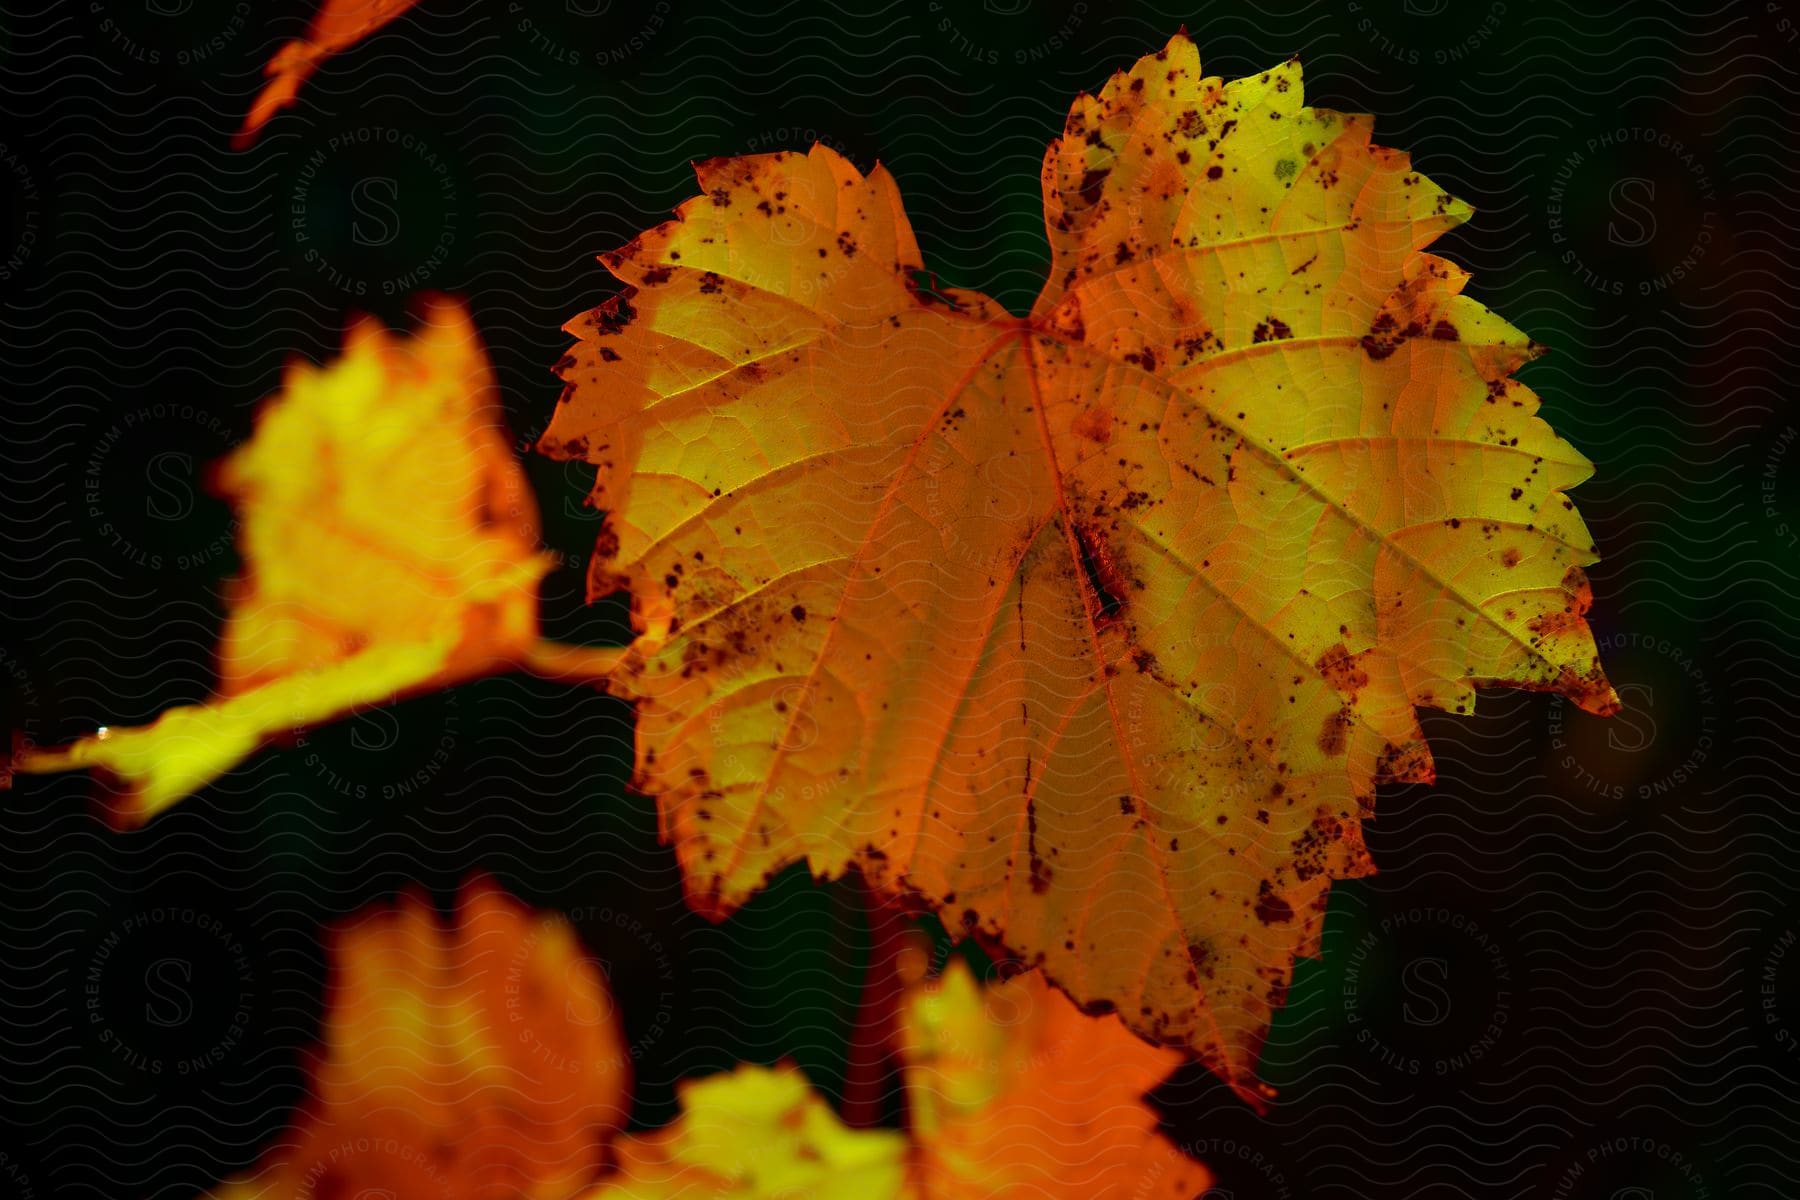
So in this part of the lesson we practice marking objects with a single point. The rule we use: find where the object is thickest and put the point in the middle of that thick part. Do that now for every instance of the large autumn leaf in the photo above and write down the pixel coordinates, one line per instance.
(1010, 1091)
(337, 24)
(480, 1062)
(389, 538)
(1096, 627)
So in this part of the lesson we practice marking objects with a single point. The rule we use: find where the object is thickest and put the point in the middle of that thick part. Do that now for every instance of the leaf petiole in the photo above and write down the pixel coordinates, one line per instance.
(559, 660)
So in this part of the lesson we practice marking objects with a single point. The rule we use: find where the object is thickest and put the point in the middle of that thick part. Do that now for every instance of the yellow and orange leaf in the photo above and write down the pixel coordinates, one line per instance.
(1010, 1092)
(389, 539)
(1013, 1091)
(756, 1132)
(480, 1062)
(1097, 627)
(338, 23)
(484, 1061)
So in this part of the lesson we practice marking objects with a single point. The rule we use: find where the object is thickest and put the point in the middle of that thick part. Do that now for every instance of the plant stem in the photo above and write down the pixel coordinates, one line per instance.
(559, 660)
(871, 1076)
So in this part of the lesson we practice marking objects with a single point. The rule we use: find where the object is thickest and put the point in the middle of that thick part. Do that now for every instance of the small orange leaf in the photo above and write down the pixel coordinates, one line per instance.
(1097, 628)
(480, 1062)
(389, 538)
(338, 23)
(1012, 1091)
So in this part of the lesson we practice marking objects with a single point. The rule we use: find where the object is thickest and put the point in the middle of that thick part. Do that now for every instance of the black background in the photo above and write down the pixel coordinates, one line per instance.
(1577, 972)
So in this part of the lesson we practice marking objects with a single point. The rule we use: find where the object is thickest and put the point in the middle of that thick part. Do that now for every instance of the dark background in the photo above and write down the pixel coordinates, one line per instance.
(1577, 973)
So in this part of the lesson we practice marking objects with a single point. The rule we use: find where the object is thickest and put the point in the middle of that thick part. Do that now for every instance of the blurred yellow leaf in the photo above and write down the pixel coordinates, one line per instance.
(756, 1132)
(485, 1061)
(388, 537)
(1095, 627)
(1010, 1092)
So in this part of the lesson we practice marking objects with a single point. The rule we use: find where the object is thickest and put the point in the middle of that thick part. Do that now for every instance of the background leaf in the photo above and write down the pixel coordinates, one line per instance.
(390, 541)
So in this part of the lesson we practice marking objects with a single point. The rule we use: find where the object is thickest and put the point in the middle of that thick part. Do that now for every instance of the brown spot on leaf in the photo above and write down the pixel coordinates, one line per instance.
(1105, 585)
(1386, 335)
(606, 544)
(1092, 185)
(1095, 424)
(616, 313)
(1271, 909)
(1343, 670)
(1066, 321)
(1334, 732)
(1200, 961)
(1405, 762)
(1273, 329)
(1040, 870)
(1311, 849)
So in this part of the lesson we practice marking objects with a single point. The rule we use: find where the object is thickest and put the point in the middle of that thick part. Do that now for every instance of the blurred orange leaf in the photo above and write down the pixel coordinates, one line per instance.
(338, 23)
(1096, 627)
(389, 539)
(484, 1061)
(479, 1062)
(1010, 1091)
